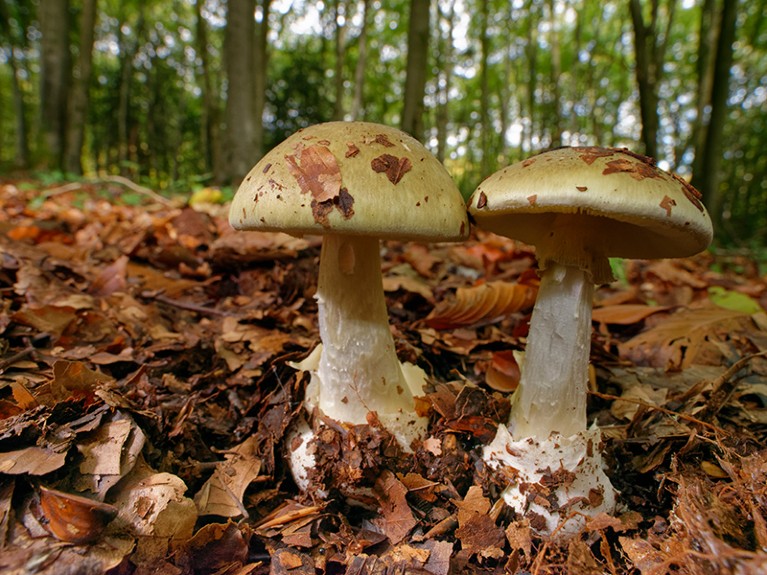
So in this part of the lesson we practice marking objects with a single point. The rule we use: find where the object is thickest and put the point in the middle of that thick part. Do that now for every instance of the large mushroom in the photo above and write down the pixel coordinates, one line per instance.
(578, 206)
(355, 183)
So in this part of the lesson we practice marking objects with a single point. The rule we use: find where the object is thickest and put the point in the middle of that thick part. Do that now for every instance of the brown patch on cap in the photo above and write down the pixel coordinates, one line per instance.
(528, 162)
(637, 170)
(267, 167)
(344, 202)
(317, 172)
(591, 154)
(324, 142)
(352, 150)
(581, 188)
(532, 199)
(667, 204)
(394, 168)
(690, 192)
(383, 139)
(482, 200)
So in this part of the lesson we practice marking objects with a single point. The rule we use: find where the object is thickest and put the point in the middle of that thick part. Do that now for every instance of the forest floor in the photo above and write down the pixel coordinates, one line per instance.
(146, 392)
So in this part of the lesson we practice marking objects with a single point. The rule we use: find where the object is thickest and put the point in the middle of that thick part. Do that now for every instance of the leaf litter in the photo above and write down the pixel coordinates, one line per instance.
(146, 398)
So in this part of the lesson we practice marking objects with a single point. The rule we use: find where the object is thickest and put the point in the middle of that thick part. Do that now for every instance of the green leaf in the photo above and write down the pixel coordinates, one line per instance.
(733, 300)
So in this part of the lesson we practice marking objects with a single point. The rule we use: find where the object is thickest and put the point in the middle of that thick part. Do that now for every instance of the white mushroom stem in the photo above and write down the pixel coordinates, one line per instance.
(553, 462)
(358, 370)
(553, 388)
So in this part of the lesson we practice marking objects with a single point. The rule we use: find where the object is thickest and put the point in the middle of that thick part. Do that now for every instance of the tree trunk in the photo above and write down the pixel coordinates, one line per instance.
(79, 96)
(209, 114)
(445, 67)
(707, 39)
(707, 180)
(240, 121)
(650, 48)
(125, 151)
(358, 100)
(339, 31)
(261, 65)
(556, 73)
(417, 65)
(21, 157)
(55, 70)
(487, 162)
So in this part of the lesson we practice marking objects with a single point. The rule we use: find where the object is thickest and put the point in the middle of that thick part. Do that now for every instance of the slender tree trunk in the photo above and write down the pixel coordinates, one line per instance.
(707, 40)
(209, 115)
(339, 32)
(16, 42)
(556, 73)
(79, 97)
(417, 66)
(21, 156)
(446, 72)
(55, 70)
(240, 69)
(487, 163)
(125, 131)
(650, 47)
(532, 80)
(358, 100)
(707, 180)
(261, 67)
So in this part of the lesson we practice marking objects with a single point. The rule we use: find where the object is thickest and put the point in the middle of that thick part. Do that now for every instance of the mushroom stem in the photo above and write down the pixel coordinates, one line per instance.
(553, 388)
(359, 370)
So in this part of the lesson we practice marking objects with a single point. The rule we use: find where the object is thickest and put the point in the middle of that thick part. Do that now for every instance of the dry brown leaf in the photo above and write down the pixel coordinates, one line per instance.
(625, 314)
(222, 494)
(485, 302)
(396, 519)
(683, 338)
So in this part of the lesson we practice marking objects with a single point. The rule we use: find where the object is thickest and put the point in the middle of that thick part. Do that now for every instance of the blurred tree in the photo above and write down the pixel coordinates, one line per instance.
(240, 72)
(54, 76)
(80, 90)
(14, 19)
(650, 42)
(707, 176)
(417, 68)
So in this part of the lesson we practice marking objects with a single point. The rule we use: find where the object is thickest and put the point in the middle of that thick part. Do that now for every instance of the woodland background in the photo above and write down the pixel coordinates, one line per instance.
(183, 94)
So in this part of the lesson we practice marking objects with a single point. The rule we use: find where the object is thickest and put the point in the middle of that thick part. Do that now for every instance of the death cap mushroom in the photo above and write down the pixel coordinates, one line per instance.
(581, 205)
(351, 178)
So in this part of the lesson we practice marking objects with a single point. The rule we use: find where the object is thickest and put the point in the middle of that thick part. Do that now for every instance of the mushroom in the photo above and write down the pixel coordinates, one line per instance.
(354, 183)
(578, 206)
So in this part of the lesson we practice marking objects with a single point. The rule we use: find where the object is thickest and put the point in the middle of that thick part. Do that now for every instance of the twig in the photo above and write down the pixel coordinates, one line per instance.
(137, 188)
(15, 357)
(649, 406)
(724, 386)
(189, 306)
(123, 181)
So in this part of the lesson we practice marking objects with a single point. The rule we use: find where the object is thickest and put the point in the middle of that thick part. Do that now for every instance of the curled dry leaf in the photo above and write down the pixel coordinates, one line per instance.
(484, 302)
(73, 518)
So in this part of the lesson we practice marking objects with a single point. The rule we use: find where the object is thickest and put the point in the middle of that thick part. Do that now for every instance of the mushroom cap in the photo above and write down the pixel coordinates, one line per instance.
(621, 204)
(351, 178)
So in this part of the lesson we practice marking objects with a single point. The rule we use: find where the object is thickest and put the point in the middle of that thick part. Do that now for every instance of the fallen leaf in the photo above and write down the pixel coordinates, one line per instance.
(396, 519)
(73, 518)
(222, 494)
(485, 302)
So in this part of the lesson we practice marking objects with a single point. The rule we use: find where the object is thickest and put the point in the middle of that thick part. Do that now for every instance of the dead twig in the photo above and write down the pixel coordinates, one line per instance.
(188, 306)
(651, 407)
(121, 180)
(724, 386)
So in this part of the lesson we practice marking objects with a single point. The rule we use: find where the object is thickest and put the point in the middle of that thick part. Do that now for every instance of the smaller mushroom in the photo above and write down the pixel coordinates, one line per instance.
(354, 183)
(578, 206)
